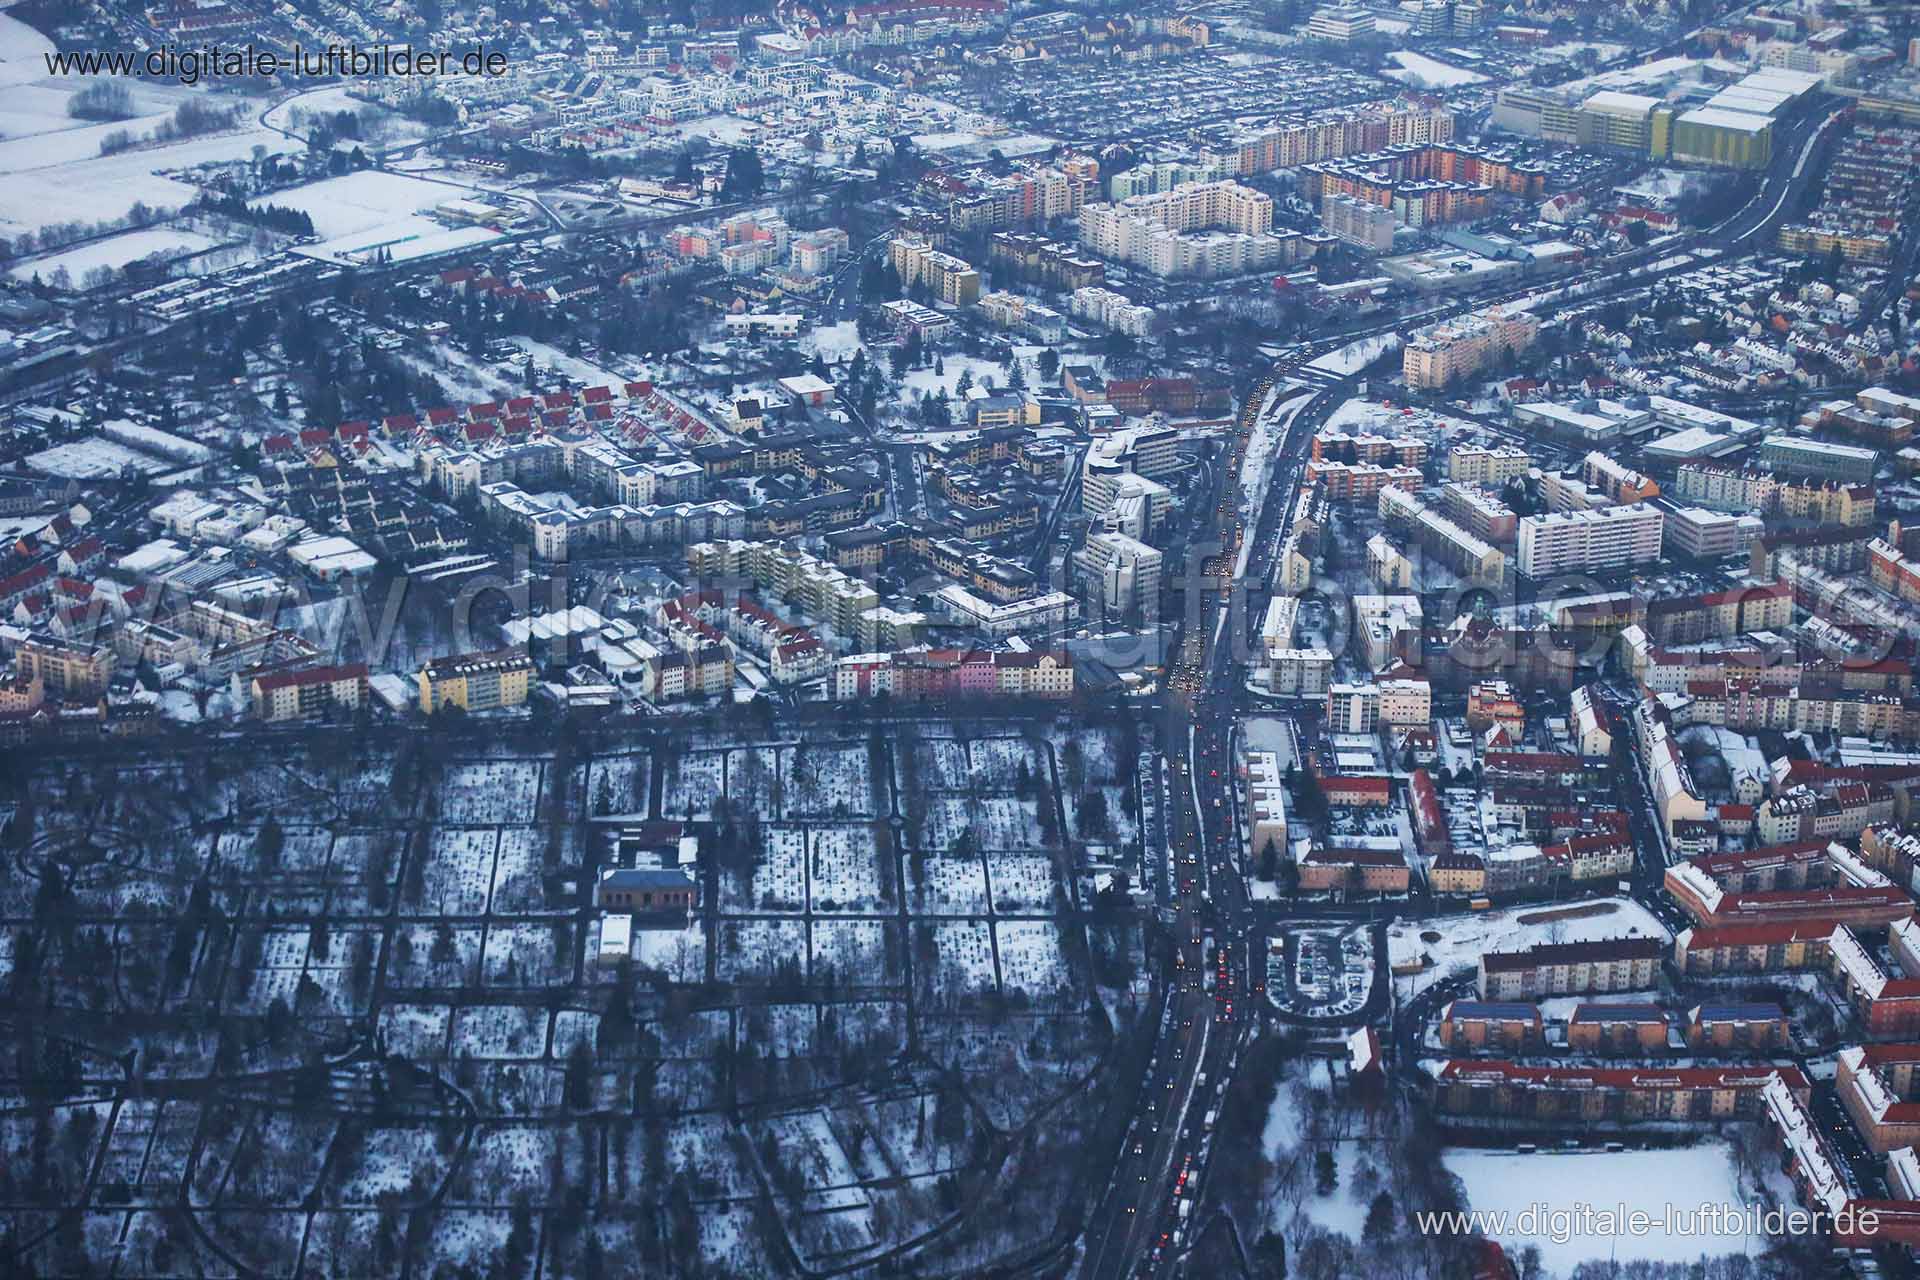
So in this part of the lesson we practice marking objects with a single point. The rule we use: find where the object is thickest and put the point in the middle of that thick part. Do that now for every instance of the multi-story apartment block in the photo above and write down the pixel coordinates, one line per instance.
(954, 673)
(1635, 1030)
(1444, 353)
(949, 279)
(475, 681)
(1597, 541)
(1120, 578)
(1571, 968)
(68, 670)
(306, 691)
(1585, 1095)
(1490, 466)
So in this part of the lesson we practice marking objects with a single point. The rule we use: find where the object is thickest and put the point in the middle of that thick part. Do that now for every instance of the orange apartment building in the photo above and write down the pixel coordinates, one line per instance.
(1502, 1026)
(1622, 1095)
(1620, 1030)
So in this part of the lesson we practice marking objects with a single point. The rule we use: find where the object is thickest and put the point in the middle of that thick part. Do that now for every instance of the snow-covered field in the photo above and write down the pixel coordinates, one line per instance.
(1648, 1182)
(360, 201)
(1417, 68)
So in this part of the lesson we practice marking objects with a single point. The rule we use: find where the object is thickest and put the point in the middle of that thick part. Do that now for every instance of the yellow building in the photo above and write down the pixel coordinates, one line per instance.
(1716, 136)
(475, 681)
(66, 669)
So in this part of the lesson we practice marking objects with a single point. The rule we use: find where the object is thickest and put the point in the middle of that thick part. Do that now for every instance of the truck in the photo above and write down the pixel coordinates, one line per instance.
(1186, 1209)
(1212, 1116)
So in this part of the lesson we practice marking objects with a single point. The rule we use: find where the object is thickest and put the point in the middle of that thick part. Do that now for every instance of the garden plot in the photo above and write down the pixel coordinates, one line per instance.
(1031, 959)
(826, 782)
(574, 1026)
(500, 1031)
(417, 1031)
(619, 784)
(459, 872)
(426, 955)
(962, 957)
(1020, 884)
(779, 879)
(938, 764)
(755, 950)
(949, 886)
(490, 791)
(852, 952)
(517, 870)
(998, 764)
(843, 872)
(996, 822)
(527, 955)
(753, 776)
(693, 780)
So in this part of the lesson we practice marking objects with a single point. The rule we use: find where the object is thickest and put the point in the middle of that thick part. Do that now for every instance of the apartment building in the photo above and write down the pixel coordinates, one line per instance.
(1360, 223)
(475, 681)
(1476, 1026)
(1206, 229)
(1802, 458)
(1353, 708)
(1876, 1084)
(954, 673)
(1340, 24)
(1119, 579)
(1601, 540)
(1469, 557)
(1587, 1095)
(1738, 1028)
(308, 691)
(1571, 968)
(1618, 1030)
(949, 279)
(68, 670)
(1787, 947)
(1444, 353)
(1490, 466)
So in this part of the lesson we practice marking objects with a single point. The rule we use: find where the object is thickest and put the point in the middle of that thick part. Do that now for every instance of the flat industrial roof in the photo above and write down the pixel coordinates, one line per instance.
(1721, 118)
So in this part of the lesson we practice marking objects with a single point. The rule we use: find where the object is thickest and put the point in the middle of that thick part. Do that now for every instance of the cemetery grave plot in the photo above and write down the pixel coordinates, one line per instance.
(125, 1157)
(619, 784)
(499, 1031)
(390, 1160)
(353, 867)
(945, 885)
(806, 1144)
(701, 1146)
(995, 764)
(730, 1240)
(517, 870)
(778, 1030)
(694, 779)
(843, 871)
(416, 1031)
(854, 952)
(574, 1026)
(994, 822)
(1031, 959)
(819, 781)
(469, 1238)
(753, 951)
(961, 955)
(1021, 885)
(304, 852)
(779, 877)
(426, 955)
(753, 778)
(259, 1239)
(937, 764)
(281, 1157)
(522, 954)
(878, 1022)
(904, 1137)
(489, 791)
(505, 1159)
(458, 875)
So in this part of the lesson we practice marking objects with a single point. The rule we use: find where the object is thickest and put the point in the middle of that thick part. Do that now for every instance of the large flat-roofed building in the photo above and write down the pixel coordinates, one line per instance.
(1719, 136)
(1614, 119)
(1598, 540)
(1445, 352)
(1341, 24)
(1586, 1095)
(306, 691)
(1817, 459)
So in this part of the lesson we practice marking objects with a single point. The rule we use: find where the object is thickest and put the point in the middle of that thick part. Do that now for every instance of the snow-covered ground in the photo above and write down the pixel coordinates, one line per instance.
(115, 251)
(360, 201)
(1464, 937)
(1358, 354)
(1688, 1179)
(1418, 69)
